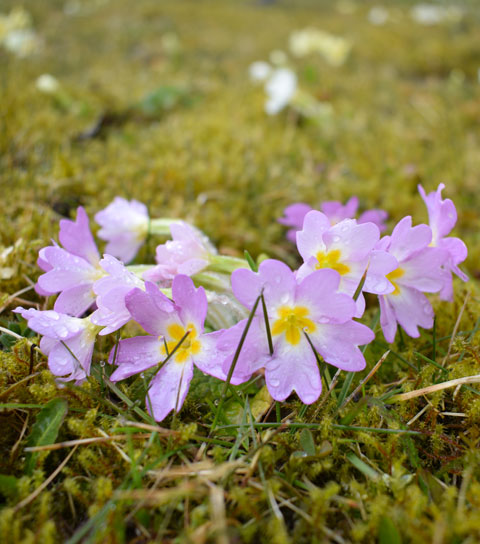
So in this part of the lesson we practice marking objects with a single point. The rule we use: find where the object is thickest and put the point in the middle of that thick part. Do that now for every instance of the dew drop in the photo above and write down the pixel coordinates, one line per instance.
(274, 382)
(102, 363)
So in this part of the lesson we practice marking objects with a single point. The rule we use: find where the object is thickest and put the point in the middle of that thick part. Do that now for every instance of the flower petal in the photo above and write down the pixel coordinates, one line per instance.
(76, 237)
(319, 293)
(134, 355)
(274, 277)
(168, 389)
(192, 302)
(338, 344)
(76, 300)
(294, 369)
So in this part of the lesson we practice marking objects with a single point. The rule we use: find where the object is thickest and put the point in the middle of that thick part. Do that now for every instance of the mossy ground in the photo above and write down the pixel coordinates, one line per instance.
(407, 107)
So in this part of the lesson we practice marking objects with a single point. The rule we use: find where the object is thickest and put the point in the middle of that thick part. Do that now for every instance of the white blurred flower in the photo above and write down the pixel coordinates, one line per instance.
(259, 70)
(378, 15)
(47, 84)
(334, 49)
(17, 34)
(432, 14)
(280, 88)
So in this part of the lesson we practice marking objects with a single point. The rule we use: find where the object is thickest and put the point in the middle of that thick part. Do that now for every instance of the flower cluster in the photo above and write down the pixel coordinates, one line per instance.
(270, 320)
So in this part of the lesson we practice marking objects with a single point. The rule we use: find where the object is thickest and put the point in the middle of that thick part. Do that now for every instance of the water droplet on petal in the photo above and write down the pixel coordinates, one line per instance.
(274, 383)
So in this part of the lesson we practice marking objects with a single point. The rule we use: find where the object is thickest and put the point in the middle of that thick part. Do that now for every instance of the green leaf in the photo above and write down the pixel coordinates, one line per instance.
(8, 485)
(365, 469)
(45, 429)
(388, 533)
(307, 442)
(251, 263)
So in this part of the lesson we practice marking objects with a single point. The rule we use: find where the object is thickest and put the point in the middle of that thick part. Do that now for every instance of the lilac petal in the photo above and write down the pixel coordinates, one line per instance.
(67, 271)
(378, 217)
(144, 307)
(310, 238)
(294, 215)
(354, 241)
(52, 324)
(168, 389)
(381, 263)
(42, 261)
(388, 321)
(125, 246)
(76, 237)
(446, 293)
(210, 358)
(76, 300)
(336, 211)
(192, 266)
(254, 353)
(72, 359)
(442, 214)
(423, 270)
(191, 301)
(412, 309)
(134, 355)
(294, 368)
(457, 251)
(274, 277)
(319, 293)
(124, 226)
(338, 344)
(111, 311)
(407, 240)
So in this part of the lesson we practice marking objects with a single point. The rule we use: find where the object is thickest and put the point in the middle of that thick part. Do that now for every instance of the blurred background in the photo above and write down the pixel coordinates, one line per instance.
(224, 112)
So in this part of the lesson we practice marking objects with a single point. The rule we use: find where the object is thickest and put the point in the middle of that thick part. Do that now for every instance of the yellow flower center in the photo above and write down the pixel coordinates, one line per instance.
(190, 346)
(394, 275)
(331, 259)
(292, 322)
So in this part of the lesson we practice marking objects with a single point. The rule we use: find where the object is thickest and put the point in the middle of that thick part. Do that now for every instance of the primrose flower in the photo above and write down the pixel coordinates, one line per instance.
(419, 271)
(442, 217)
(67, 341)
(175, 335)
(301, 314)
(347, 248)
(294, 215)
(71, 270)
(187, 253)
(124, 226)
(111, 290)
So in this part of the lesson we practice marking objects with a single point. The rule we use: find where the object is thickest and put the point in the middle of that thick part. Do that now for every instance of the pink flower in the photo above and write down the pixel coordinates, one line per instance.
(67, 341)
(72, 269)
(313, 307)
(124, 226)
(334, 210)
(166, 323)
(442, 217)
(346, 247)
(419, 271)
(111, 290)
(293, 217)
(187, 253)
